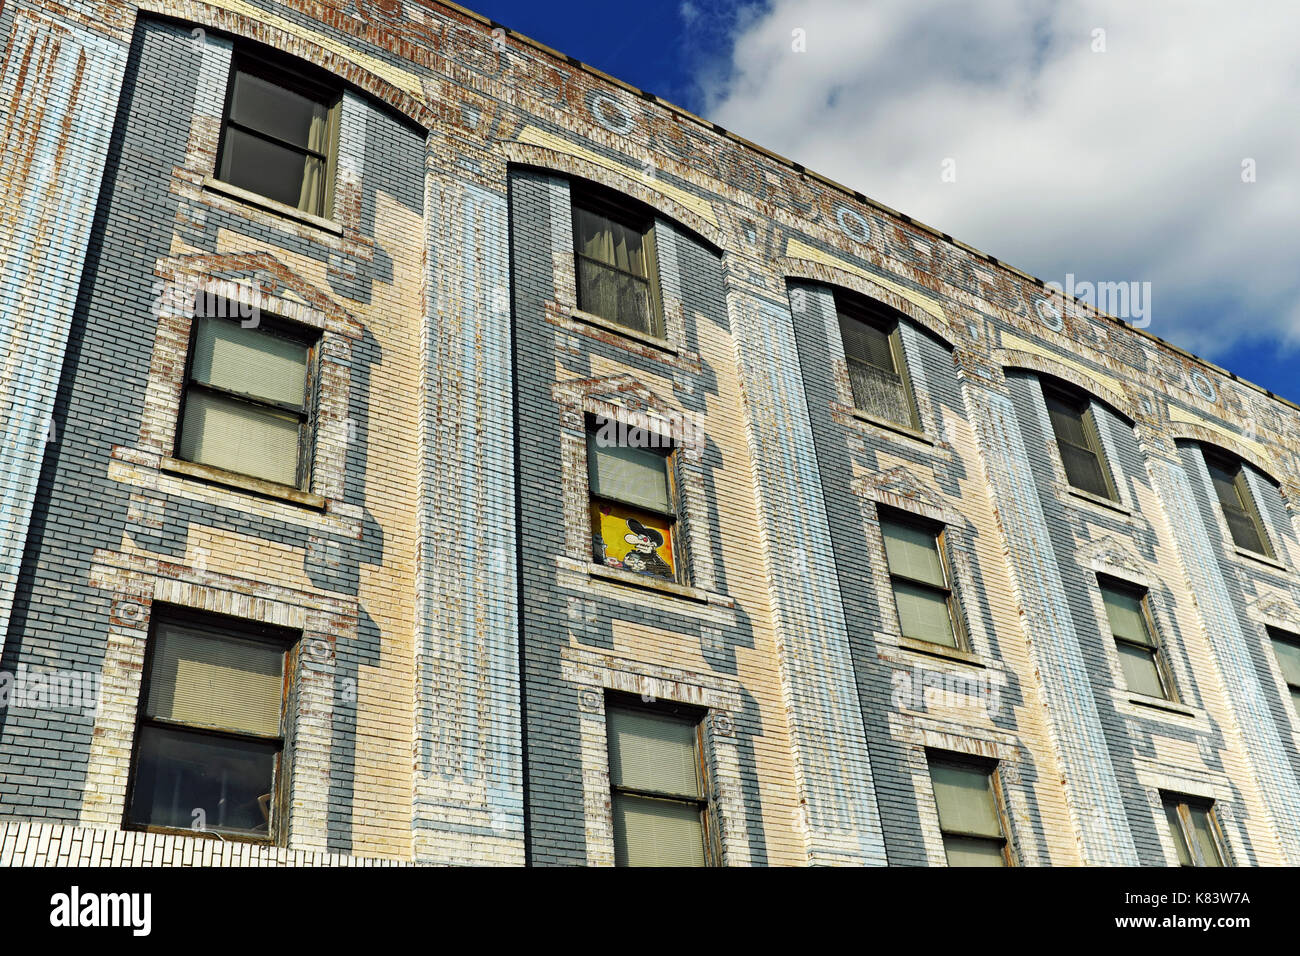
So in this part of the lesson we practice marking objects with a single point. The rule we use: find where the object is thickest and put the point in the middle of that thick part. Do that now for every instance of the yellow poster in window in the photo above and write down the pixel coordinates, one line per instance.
(632, 540)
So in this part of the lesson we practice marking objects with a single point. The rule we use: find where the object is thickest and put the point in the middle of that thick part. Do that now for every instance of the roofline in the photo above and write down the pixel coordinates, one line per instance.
(855, 194)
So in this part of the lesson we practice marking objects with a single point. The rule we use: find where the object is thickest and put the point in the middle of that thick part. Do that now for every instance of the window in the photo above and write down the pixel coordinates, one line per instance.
(614, 255)
(1134, 633)
(658, 787)
(1229, 479)
(965, 794)
(1075, 429)
(919, 575)
(633, 505)
(1194, 832)
(278, 138)
(1287, 648)
(873, 350)
(211, 730)
(246, 406)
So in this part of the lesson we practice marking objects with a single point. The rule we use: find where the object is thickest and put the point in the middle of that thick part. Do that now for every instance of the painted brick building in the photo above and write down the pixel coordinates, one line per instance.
(924, 564)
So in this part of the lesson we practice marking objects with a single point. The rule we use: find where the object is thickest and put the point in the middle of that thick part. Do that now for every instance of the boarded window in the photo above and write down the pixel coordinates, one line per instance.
(246, 401)
(919, 576)
(1194, 831)
(873, 352)
(969, 817)
(211, 728)
(1139, 652)
(614, 256)
(633, 507)
(657, 786)
(1287, 648)
(1080, 446)
(1229, 479)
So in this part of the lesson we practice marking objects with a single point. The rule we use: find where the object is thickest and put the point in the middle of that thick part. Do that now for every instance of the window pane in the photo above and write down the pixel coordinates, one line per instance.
(867, 343)
(1067, 421)
(1295, 699)
(1127, 620)
(212, 681)
(226, 433)
(656, 832)
(636, 476)
(1083, 469)
(1141, 674)
(179, 772)
(652, 752)
(967, 851)
(283, 113)
(1224, 479)
(1288, 656)
(632, 540)
(965, 799)
(879, 393)
(913, 552)
(250, 361)
(1176, 832)
(1203, 831)
(1245, 534)
(923, 614)
(610, 242)
(271, 170)
(616, 296)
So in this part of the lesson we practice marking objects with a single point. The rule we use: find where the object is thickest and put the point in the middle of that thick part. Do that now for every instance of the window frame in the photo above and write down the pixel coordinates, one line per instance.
(1157, 646)
(1085, 406)
(1182, 805)
(879, 317)
(1277, 635)
(990, 769)
(673, 517)
(301, 335)
(1235, 468)
(706, 802)
(939, 531)
(601, 201)
(287, 639)
(271, 70)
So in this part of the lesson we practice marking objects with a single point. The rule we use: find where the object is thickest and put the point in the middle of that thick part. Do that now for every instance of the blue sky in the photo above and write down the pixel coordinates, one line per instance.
(1112, 141)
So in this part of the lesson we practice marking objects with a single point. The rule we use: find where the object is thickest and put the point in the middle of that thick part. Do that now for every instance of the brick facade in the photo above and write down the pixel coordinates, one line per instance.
(456, 641)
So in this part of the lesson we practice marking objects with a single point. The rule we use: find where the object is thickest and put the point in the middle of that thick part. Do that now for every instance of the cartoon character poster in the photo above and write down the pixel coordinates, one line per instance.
(632, 540)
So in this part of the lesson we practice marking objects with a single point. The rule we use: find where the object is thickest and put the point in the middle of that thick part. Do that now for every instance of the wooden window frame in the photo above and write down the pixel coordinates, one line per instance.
(673, 517)
(879, 318)
(1182, 804)
(306, 414)
(706, 803)
(604, 202)
(949, 591)
(285, 638)
(1236, 469)
(269, 69)
(1084, 405)
(990, 769)
(1156, 647)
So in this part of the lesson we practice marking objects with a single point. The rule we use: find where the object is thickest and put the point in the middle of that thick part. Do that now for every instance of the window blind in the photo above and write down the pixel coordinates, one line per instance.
(913, 552)
(656, 832)
(648, 752)
(210, 681)
(965, 800)
(250, 439)
(635, 476)
(250, 361)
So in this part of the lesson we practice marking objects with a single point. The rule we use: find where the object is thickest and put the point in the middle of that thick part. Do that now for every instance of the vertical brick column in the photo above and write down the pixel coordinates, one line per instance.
(63, 83)
(1092, 790)
(840, 818)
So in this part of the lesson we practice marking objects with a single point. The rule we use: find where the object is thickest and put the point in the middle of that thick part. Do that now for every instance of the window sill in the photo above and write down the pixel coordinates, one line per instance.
(1099, 501)
(271, 205)
(894, 427)
(647, 583)
(216, 835)
(238, 482)
(605, 325)
(1161, 704)
(929, 649)
(1262, 559)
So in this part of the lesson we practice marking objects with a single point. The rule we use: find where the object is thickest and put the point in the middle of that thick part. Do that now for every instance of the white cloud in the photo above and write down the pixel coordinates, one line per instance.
(1116, 165)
